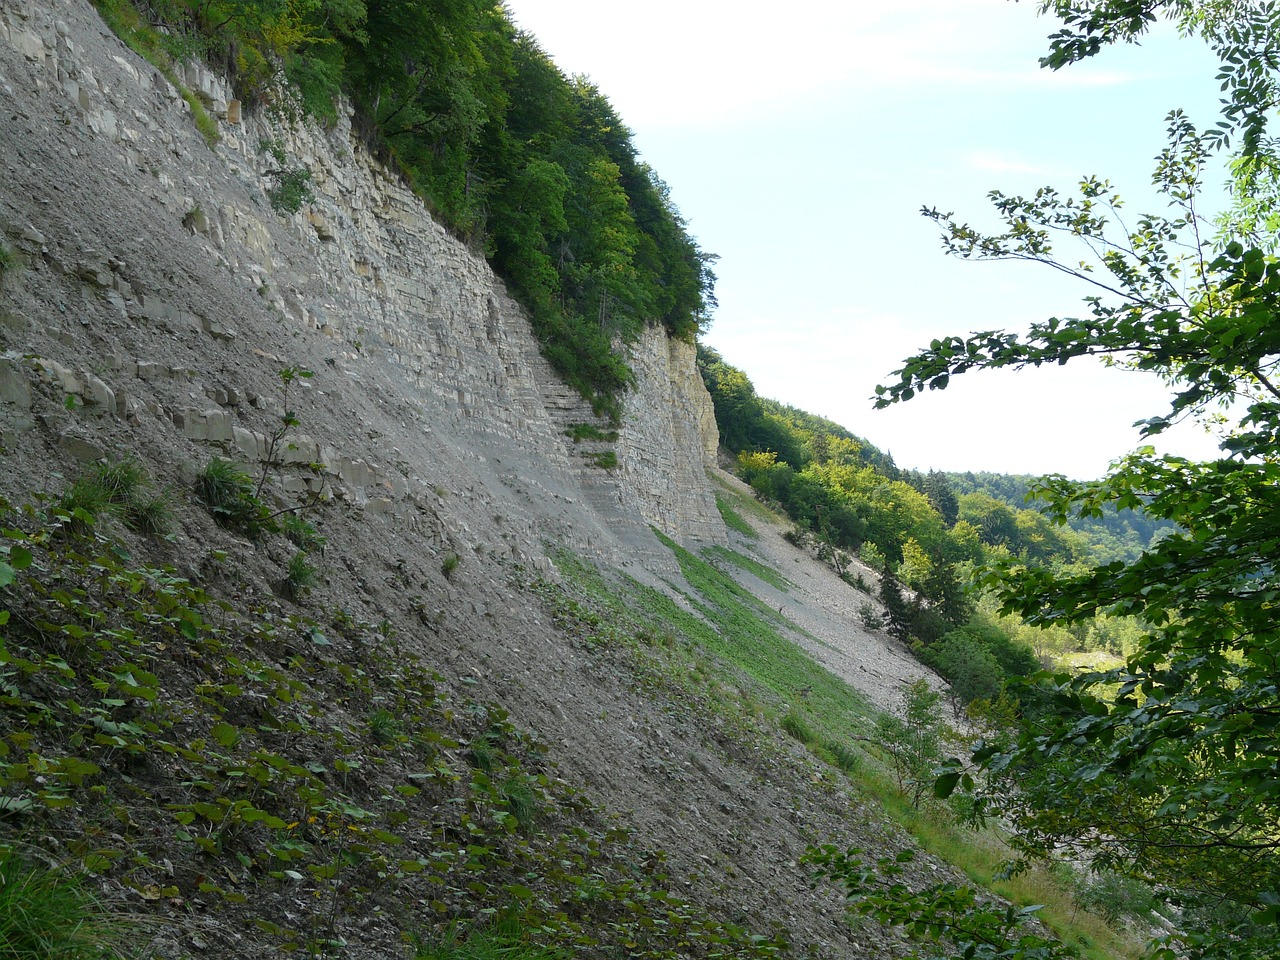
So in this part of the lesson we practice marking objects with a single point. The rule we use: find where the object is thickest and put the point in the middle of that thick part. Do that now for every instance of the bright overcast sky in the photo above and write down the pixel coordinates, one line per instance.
(801, 142)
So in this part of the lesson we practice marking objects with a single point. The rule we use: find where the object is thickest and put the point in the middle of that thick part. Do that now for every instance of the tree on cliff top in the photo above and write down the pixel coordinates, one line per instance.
(529, 167)
(1167, 768)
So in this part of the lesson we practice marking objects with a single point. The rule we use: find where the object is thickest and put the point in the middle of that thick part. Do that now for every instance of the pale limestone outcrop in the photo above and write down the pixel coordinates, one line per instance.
(364, 276)
(668, 440)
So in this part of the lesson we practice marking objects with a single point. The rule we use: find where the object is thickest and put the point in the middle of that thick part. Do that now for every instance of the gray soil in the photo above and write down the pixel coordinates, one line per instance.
(97, 220)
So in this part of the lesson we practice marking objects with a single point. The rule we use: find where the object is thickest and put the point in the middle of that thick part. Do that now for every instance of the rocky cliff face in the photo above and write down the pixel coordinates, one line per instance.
(181, 292)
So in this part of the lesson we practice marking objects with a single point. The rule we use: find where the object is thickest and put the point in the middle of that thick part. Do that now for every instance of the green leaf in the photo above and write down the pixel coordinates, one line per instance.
(945, 785)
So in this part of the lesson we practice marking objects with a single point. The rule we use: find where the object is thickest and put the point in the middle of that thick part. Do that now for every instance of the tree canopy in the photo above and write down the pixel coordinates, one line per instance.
(1168, 767)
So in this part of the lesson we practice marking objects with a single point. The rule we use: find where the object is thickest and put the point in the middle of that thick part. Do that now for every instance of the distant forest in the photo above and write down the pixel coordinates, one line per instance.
(1115, 535)
(533, 169)
(846, 490)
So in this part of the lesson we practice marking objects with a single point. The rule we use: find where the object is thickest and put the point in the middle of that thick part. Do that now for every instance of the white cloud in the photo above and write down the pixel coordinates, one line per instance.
(681, 62)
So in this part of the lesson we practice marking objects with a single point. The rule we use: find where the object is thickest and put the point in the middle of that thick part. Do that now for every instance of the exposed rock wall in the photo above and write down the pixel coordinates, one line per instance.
(196, 292)
(669, 440)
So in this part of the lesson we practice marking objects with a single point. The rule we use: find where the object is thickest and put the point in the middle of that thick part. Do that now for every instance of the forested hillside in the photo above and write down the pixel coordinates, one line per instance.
(532, 168)
(1115, 535)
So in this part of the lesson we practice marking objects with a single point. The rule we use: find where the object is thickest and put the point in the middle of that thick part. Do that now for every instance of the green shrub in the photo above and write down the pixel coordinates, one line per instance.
(299, 578)
(796, 726)
(913, 740)
(301, 532)
(870, 616)
(450, 564)
(318, 84)
(858, 582)
(846, 757)
(1113, 896)
(228, 493)
(292, 184)
(47, 914)
(607, 460)
(798, 536)
(292, 189)
(872, 556)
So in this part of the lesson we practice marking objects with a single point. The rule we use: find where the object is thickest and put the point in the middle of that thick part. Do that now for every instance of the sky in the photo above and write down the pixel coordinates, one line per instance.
(800, 144)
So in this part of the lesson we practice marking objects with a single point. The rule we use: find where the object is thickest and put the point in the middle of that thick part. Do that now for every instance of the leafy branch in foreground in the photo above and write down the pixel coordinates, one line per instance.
(1167, 768)
(948, 915)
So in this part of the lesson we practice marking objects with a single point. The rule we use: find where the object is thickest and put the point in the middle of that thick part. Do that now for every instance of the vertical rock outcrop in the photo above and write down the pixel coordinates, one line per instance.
(198, 288)
(669, 440)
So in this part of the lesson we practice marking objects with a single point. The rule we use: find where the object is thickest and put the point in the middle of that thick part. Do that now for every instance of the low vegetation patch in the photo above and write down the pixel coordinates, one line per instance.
(754, 567)
(49, 913)
(579, 432)
(734, 520)
(748, 633)
(270, 783)
(8, 261)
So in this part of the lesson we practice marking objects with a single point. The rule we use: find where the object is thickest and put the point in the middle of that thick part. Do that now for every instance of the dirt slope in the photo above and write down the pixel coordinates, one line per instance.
(131, 328)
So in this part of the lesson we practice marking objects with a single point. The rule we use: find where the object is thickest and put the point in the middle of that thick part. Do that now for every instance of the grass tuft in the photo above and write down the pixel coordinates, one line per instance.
(8, 261)
(228, 493)
(483, 753)
(384, 728)
(47, 914)
(301, 532)
(521, 801)
(119, 489)
(150, 514)
(796, 727)
(299, 578)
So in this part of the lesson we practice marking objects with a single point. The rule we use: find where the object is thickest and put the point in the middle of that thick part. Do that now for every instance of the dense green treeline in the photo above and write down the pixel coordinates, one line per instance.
(532, 168)
(1115, 535)
(926, 533)
(847, 491)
